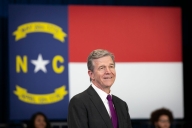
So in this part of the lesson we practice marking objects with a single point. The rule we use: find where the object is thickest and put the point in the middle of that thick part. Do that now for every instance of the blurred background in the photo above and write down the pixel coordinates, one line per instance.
(6, 104)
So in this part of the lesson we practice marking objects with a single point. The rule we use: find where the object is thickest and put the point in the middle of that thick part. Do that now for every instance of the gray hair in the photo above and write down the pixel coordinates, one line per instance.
(96, 54)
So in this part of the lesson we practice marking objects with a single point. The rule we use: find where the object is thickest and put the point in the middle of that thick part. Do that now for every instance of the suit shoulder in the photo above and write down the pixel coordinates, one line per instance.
(81, 95)
(118, 99)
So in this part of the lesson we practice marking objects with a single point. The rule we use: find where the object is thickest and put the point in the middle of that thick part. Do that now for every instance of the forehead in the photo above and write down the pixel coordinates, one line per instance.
(39, 117)
(163, 117)
(103, 60)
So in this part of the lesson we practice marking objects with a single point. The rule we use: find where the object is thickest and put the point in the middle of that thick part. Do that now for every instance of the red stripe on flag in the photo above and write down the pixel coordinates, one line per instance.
(133, 34)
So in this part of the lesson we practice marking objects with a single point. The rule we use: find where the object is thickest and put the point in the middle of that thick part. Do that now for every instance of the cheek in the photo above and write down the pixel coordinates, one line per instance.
(36, 123)
(113, 71)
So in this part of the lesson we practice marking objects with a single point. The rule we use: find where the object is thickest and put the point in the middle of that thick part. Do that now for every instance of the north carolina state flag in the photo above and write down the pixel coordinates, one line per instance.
(49, 46)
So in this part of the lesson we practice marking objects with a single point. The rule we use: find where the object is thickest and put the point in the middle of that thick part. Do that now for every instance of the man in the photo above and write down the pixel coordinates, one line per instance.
(162, 118)
(91, 108)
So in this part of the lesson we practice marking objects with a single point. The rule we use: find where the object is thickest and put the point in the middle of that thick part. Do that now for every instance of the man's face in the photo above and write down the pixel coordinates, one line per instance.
(163, 122)
(104, 74)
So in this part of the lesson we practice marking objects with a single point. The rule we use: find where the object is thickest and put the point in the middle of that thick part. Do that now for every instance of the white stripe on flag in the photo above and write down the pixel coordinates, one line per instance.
(144, 86)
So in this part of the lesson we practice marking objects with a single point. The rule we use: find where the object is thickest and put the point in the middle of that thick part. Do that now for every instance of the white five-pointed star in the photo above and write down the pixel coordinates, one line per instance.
(40, 64)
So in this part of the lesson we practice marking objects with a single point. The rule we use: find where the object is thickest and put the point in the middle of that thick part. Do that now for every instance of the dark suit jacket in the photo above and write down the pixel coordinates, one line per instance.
(86, 110)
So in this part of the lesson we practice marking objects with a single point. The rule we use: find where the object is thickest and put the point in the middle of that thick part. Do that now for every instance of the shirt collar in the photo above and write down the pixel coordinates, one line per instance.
(101, 93)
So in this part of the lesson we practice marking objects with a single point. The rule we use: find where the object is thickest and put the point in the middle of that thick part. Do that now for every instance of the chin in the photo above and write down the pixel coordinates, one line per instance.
(108, 84)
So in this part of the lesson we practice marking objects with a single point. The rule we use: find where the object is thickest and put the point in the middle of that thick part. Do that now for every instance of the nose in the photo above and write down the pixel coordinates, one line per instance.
(107, 70)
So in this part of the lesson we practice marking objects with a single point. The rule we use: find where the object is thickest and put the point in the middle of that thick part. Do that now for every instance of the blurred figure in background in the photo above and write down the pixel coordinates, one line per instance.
(162, 118)
(39, 120)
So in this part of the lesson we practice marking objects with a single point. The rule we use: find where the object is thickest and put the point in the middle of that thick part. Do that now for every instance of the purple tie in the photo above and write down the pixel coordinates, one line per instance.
(113, 112)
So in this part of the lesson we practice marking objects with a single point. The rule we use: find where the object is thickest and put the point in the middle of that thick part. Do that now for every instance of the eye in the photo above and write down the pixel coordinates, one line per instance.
(112, 66)
(101, 67)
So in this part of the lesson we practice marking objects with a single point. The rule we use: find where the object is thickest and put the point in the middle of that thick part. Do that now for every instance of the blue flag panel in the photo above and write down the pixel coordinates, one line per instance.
(38, 61)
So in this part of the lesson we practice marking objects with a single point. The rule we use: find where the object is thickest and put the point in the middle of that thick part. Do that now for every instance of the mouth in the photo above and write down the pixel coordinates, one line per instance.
(108, 77)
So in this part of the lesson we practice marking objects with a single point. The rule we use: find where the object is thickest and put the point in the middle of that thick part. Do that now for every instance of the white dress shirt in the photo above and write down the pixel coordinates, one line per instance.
(103, 96)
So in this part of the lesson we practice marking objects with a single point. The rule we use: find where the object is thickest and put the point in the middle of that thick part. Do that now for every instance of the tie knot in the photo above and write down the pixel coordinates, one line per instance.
(109, 98)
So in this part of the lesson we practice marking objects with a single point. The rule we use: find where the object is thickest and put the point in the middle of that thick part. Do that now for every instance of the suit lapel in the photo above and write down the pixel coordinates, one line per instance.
(100, 106)
(118, 110)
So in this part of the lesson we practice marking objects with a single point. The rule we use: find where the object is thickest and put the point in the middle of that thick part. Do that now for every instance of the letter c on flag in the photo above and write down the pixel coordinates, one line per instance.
(57, 69)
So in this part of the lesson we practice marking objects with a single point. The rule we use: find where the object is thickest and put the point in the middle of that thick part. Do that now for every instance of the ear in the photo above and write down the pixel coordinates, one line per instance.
(91, 74)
